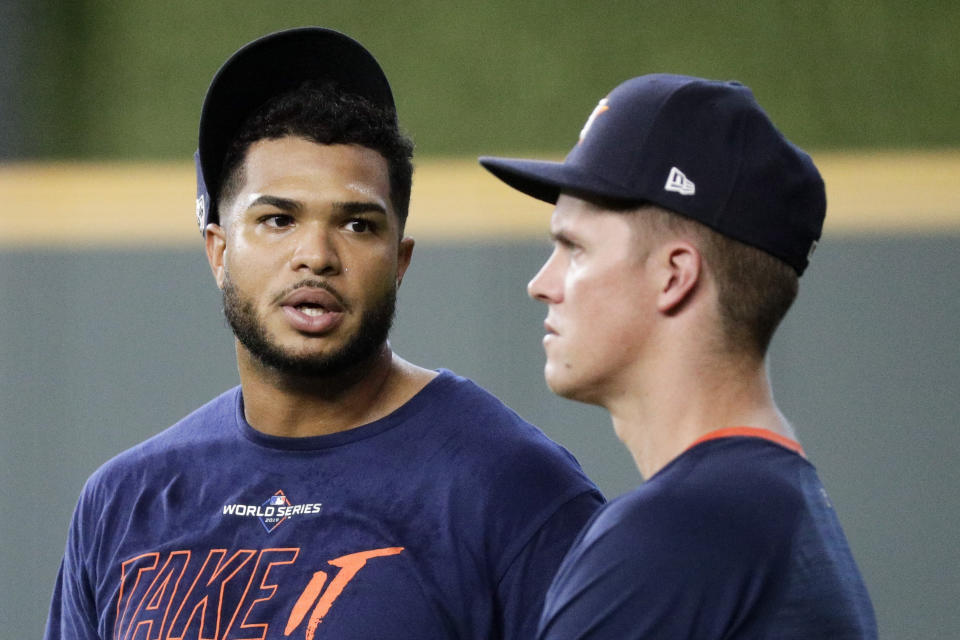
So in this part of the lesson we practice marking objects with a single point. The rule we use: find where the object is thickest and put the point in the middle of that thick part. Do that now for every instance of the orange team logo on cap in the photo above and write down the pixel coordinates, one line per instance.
(600, 108)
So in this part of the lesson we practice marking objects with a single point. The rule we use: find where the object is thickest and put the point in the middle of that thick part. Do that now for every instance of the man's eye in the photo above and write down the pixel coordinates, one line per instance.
(277, 220)
(359, 225)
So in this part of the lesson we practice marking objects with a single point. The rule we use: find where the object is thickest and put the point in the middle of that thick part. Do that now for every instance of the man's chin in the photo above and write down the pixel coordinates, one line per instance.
(305, 363)
(562, 383)
(558, 384)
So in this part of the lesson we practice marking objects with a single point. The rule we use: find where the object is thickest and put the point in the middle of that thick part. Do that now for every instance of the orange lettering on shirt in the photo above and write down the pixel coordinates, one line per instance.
(349, 565)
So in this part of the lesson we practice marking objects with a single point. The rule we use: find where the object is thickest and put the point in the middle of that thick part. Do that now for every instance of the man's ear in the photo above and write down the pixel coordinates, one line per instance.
(404, 255)
(680, 268)
(215, 242)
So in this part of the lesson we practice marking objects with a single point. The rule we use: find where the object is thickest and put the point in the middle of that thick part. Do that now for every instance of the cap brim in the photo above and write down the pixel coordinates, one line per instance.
(546, 180)
(275, 64)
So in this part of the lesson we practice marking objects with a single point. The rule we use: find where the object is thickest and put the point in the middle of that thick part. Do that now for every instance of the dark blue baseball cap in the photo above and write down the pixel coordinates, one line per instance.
(268, 67)
(700, 148)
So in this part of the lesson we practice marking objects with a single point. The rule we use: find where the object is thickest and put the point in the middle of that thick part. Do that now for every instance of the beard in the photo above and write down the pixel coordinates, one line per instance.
(360, 348)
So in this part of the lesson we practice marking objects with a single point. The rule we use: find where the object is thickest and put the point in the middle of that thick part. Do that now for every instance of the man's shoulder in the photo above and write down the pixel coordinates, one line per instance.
(744, 496)
(484, 422)
(513, 458)
(189, 436)
(715, 493)
(458, 396)
(697, 536)
(751, 479)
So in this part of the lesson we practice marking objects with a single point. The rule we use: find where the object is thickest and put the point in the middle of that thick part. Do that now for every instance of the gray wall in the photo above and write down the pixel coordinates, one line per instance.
(100, 349)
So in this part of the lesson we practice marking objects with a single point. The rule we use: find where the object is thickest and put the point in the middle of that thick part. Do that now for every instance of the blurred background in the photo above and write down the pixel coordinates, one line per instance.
(110, 324)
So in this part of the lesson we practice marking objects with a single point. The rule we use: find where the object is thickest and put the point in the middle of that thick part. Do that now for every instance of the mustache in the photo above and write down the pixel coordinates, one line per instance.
(312, 284)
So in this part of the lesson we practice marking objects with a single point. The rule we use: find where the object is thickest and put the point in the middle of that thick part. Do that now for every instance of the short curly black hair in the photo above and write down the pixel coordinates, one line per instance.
(324, 115)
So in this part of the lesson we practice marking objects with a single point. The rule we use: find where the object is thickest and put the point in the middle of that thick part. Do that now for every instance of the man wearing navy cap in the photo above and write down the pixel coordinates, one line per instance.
(339, 491)
(683, 220)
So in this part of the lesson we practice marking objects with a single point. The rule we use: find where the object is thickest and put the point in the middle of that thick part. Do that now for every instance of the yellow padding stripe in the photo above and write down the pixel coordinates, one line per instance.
(97, 204)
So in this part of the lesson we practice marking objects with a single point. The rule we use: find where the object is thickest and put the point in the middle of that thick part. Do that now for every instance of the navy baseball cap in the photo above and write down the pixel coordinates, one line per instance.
(268, 67)
(700, 148)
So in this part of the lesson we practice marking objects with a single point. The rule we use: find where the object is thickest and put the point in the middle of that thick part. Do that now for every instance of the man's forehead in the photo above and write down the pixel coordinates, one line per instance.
(571, 211)
(304, 174)
(580, 220)
(294, 154)
(298, 164)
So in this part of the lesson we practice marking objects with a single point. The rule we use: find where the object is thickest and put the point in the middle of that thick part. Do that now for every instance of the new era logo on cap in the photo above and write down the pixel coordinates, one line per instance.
(679, 183)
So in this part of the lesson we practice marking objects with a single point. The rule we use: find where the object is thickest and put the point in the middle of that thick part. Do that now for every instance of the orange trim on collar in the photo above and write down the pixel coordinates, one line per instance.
(751, 432)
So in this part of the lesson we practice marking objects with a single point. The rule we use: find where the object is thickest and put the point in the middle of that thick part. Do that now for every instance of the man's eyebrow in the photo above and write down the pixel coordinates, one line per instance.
(560, 236)
(293, 206)
(284, 204)
(353, 208)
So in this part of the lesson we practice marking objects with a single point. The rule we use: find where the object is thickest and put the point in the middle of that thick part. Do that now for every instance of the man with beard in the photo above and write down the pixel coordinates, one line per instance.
(339, 491)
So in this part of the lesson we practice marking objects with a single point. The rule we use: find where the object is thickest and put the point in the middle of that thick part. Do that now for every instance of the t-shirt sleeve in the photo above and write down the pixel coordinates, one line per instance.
(73, 612)
(522, 588)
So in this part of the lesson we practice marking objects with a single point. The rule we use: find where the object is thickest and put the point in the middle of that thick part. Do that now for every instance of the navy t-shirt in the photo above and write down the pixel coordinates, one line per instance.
(446, 519)
(735, 538)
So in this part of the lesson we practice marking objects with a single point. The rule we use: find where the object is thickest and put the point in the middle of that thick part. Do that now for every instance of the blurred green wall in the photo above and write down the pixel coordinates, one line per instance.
(125, 80)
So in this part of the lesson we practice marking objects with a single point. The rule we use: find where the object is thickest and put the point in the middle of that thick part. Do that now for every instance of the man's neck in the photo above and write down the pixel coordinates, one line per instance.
(280, 404)
(682, 403)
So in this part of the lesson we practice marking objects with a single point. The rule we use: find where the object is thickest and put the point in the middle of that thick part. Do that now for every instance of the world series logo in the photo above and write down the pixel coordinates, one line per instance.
(276, 510)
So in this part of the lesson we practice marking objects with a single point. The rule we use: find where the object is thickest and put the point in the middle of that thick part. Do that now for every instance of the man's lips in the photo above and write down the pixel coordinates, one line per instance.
(312, 309)
(549, 328)
(312, 297)
(549, 332)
